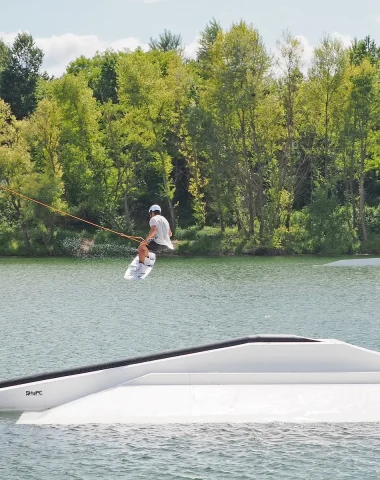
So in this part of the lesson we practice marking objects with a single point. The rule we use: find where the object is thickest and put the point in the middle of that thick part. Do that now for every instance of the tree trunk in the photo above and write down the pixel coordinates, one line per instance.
(251, 209)
(353, 203)
(26, 238)
(128, 222)
(362, 207)
(172, 215)
(166, 181)
(220, 213)
(51, 238)
(362, 192)
(287, 220)
(238, 221)
(326, 135)
(260, 200)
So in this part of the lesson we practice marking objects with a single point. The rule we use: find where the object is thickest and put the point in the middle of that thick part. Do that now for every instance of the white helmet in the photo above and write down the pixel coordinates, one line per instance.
(155, 208)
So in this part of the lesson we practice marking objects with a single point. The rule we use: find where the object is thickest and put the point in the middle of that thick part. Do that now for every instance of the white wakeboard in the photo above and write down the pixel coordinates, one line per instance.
(130, 273)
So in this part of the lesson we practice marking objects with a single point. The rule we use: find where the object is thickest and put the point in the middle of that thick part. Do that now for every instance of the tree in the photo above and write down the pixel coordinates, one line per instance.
(324, 107)
(289, 84)
(152, 88)
(100, 72)
(85, 166)
(43, 133)
(363, 117)
(15, 170)
(166, 42)
(4, 55)
(206, 43)
(237, 88)
(361, 49)
(106, 87)
(194, 149)
(20, 76)
(126, 153)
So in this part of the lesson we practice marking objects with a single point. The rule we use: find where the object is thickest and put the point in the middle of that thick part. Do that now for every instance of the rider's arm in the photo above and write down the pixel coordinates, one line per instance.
(151, 233)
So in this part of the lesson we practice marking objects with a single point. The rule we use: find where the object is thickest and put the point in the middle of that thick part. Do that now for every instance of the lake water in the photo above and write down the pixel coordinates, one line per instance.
(58, 313)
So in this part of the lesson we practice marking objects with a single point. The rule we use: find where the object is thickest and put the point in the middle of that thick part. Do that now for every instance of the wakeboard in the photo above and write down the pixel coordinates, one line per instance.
(131, 274)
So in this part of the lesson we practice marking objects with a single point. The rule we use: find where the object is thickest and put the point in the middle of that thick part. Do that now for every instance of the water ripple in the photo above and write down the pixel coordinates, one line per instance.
(65, 313)
(192, 452)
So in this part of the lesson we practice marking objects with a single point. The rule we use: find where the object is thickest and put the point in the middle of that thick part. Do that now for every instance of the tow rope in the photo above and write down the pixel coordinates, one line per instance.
(130, 237)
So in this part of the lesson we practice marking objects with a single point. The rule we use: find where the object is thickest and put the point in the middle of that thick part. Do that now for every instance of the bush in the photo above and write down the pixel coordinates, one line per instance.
(372, 245)
(68, 243)
(110, 250)
(328, 225)
(210, 241)
(373, 219)
(292, 241)
(186, 233)
(102, 244)
(11, 241)
(207, 241)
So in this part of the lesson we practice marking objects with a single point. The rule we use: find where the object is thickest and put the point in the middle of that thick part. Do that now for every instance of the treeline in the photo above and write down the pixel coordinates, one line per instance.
(237, 139)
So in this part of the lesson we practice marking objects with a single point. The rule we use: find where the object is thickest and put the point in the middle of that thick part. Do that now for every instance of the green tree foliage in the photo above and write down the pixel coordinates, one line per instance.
(100, 72)
(246, 150)
(4, 55)
(325, 101)
(15, 171)
(166, 42)
(44, 134)
(81, 152)
(127, 155)
(361, 49)
(238, 90)
(20, 75)
(362, 116)
(152, 89)
(206, 43)
(289, 86)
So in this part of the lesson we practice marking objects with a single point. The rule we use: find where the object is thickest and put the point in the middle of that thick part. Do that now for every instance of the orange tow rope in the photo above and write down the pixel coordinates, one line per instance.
(135, 239)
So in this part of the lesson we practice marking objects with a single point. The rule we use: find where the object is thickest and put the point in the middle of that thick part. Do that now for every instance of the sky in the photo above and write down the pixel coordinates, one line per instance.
(66, 29)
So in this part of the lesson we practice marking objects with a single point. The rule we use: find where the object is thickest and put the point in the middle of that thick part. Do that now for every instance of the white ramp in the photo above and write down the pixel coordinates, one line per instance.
(358, 262)
(162, 404)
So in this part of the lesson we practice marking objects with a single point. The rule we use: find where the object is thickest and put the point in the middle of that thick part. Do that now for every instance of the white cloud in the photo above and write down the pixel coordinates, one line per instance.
(308, 51)
(345, 39)
(192, 48)
(8, 37)
(60, 50)
(306, 56)
(377, 19)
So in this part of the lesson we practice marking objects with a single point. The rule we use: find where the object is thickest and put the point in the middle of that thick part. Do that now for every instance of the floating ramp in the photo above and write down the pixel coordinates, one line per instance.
(358, 262)
(255, 379)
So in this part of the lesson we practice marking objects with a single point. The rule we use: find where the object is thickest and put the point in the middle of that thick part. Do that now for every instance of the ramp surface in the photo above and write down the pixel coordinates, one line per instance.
(358, 262)
(149, 404)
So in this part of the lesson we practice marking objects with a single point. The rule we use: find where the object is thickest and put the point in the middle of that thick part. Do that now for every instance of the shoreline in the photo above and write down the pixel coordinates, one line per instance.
(209, 242)
(196, 255)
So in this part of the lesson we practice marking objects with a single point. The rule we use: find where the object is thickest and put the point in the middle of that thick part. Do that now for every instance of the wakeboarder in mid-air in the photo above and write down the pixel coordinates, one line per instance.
(157, 240)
